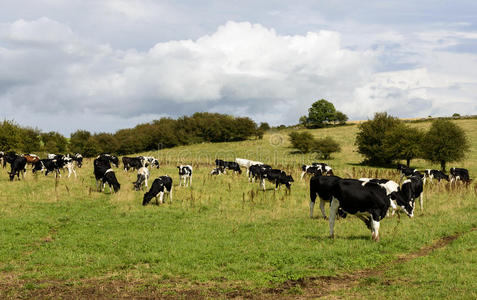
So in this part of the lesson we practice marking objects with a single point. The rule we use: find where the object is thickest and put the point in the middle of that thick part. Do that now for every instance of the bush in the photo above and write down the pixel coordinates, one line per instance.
(326, 146)
(304, 141)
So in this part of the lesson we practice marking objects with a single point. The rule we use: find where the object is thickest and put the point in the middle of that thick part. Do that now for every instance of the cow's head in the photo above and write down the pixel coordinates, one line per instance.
(404, 204)
(138, 183)
(287, 180)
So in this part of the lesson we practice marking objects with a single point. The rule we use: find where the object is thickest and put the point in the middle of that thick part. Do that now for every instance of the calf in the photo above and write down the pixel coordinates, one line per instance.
(142, 176)
(459, 174)
(133, 163)
(17, 165)
(368, 202)
(277, 176)
(431, 174)
(159, 187)
(411, 189)
(104, 174)
(322, 186)
(185, 172)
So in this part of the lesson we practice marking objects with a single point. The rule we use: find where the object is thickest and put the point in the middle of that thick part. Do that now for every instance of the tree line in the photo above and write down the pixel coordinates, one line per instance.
(162, 133)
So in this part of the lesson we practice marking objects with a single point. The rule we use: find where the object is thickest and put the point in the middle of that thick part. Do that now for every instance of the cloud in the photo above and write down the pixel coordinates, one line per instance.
(51, 74)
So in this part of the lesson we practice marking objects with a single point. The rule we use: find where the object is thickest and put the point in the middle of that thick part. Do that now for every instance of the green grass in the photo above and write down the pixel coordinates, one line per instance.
(225, 234)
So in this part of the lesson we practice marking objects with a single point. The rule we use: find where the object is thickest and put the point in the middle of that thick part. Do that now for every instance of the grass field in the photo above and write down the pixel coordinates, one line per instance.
(225, 238)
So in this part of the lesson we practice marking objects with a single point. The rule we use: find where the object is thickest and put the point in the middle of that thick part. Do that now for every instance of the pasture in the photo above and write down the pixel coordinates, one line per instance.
(225, 238)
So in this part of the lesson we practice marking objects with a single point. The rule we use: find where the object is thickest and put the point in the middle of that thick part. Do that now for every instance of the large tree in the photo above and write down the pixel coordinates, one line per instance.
(403, 142)
(320, 112)
(444, 142)
(371, 136)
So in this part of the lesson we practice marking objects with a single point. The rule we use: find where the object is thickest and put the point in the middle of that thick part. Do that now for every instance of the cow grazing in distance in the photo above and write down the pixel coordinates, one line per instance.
(142, 177)
(255, 172)
(233, 166)
(408, 172)
(368, 202)
(185, 173)
(246, 163)
(150, 161)
(411, 189)
(31, 159)
(435, 174)
(104, 174)
(217, 171)
(47, 165)
(276, 176)
(460, 174)
(133, 163)
(78, 159)
(322, 186)
(17, 166)
(158, 188)
(111, 158)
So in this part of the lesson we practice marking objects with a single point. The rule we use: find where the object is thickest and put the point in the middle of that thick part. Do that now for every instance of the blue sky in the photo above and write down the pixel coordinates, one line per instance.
(111, 64)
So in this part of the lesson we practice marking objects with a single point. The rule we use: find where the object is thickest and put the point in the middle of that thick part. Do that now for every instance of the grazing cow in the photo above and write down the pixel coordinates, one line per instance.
(408, 172)
(246, 163)
(17, 165)
(150, 161)
(255, 171)
(231, 165)
(133, 163)
(104, 174)
(368, 202)
(185, 172)
(459, 174)
(217, 171)
(325, 169)
(159, 187)
(431, 174)
(111, 158)
(310, 169)
(142, 176)
(323, 187)
(48, 165)
(219, 163)
(277, 176)
(411, 189)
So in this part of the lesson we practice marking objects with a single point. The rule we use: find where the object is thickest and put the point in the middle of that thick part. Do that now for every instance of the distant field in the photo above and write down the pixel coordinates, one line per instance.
(225, 238)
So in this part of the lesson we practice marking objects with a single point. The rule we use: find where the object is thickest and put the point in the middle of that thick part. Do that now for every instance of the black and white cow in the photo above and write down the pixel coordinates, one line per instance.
(247, 163)
(435, 174)
(134, 163)
(17, 165)
(325, 169)
(408, 172)
(151, 161)
(158, 188)
(104, 174)
(393, 191)
(111, 158)
(233, 166)
(78, 159)
(185, 173)
(411, 189)
(142, 177)
(48, 165)
(276, 176)
(310, 169)
(322, 186)
(68, 163)
(217, 171)
(368, 202)
(256, 171)
(459, 174)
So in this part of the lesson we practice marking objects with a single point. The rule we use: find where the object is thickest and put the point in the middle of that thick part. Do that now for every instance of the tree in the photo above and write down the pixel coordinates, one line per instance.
(371, 135)
(78, 140)
(303, 120)
(445, 142)
(321, 112)
(53, 142)
(403, 142)
(341, 118)
(326, 146)
(303, 141)
(9, 136)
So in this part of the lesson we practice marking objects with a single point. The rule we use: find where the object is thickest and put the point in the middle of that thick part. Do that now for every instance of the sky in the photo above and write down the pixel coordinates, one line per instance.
(112, 64)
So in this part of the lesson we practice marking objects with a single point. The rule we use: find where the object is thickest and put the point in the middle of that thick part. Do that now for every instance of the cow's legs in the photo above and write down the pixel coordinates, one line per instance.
(161, 197)
(322, 208)
(312, 205)
(302, 174)
(170, 195)
(421, 201)
(335, 204)
(262, 183)
(375, 229)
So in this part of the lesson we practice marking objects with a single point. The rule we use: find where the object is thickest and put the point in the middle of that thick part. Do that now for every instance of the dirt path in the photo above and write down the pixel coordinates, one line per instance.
(12, 287)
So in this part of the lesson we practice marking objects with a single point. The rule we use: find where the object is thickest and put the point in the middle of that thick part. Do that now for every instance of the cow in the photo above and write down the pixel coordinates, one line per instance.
(277, 176)
(393, 191)
(78, 159)
(111, 158)
(435, 174)
(133, 163)
(217, 171)
(231, 165)
(407, 172)
(322, 186)
(159, 187)
(309, 169)
(185, 173)
(255, 171)
(17, 165)
(412, 188)
(459, 174)
(31, 159)
(325, 169)
(47, 165)
(68, 163)
(104, 174)
(150, 161)
(142, 177)
(246, 163)
(219, 163)
(368, 202)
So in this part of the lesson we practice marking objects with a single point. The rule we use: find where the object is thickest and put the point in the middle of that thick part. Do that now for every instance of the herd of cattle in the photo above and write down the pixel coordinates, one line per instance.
(370, 199)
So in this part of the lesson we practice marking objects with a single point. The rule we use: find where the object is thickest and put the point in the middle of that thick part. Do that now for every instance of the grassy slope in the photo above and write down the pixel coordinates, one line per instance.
(223, 231)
